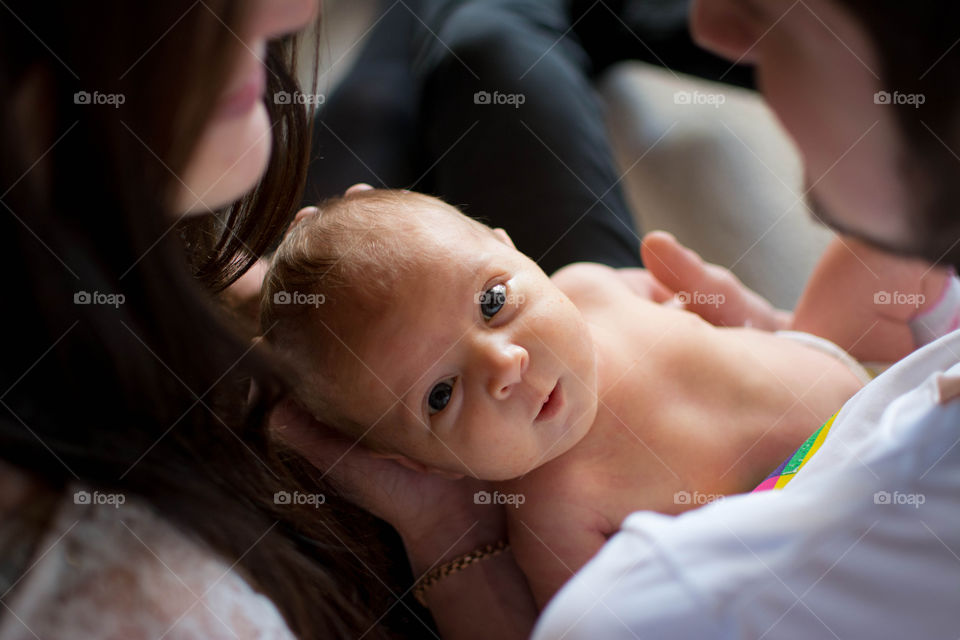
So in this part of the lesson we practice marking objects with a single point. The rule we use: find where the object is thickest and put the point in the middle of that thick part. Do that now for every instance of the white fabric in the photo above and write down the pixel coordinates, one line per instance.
(845, 550)
(940, 319)
(122, 572)
(832, 349)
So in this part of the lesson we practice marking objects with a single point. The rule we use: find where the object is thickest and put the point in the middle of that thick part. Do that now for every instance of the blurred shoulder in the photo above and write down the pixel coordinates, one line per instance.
(108, 566)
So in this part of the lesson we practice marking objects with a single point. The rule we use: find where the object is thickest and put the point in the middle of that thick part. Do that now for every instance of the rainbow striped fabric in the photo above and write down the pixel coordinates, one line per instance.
(783, 474)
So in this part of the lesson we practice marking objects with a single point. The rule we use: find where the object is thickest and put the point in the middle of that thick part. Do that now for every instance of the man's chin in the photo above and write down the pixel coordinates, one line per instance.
(935, 246)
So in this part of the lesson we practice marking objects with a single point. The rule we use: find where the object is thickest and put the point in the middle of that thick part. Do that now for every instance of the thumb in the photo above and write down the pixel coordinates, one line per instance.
(672, 264)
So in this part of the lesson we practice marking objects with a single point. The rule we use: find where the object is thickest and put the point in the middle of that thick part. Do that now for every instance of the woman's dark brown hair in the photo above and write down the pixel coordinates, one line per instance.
(141, 397)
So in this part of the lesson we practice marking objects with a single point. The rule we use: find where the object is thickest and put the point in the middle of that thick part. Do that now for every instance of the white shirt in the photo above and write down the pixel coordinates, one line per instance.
(863, 543)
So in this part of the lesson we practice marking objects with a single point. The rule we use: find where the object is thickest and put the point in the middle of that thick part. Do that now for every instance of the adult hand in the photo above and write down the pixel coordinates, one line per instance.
(437, 517)
(709, 290)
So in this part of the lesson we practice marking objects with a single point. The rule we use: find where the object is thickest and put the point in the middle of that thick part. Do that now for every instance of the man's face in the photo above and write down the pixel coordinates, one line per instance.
(818, 70)
(480, 365)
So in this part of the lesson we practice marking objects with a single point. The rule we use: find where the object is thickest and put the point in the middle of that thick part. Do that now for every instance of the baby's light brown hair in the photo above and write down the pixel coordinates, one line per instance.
(333, 275)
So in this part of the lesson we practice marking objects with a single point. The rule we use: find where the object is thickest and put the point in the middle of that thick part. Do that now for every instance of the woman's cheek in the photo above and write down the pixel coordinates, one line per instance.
(230, 159)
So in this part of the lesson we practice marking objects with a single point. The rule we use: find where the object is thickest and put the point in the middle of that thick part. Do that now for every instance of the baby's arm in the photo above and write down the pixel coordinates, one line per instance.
(551, 542)
(869, 302)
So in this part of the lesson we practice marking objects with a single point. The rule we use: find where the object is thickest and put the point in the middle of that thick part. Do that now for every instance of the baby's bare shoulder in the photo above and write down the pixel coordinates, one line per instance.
(590, 283)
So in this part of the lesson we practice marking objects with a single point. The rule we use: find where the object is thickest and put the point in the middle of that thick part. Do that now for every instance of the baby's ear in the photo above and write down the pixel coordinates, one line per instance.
(419, 467)
(503, 237)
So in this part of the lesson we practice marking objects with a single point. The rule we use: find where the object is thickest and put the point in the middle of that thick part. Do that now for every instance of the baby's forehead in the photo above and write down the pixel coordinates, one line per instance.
(435, 221)
(436, 244)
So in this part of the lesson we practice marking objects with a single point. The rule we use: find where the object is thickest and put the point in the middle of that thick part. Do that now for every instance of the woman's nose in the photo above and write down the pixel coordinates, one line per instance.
(507, 366)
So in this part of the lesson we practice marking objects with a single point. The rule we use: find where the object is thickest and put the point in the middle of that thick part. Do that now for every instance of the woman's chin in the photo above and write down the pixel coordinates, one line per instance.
(228, 163)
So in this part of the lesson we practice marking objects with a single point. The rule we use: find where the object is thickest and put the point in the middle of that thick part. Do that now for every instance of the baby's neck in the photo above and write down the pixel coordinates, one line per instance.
(673, 400)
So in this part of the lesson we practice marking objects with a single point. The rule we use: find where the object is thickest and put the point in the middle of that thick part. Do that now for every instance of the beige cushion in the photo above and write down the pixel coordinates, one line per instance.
(713, 166)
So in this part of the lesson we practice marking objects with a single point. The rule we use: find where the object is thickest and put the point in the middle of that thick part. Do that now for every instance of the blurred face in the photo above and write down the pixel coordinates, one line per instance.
(233, 152)
(819, 72)
(481, 366)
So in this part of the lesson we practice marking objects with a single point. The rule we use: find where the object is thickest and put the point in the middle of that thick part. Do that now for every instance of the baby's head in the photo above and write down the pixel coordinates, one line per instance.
(426, 334)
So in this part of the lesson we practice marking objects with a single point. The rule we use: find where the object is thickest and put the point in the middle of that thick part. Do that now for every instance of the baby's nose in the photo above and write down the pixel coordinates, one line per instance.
(508, 365)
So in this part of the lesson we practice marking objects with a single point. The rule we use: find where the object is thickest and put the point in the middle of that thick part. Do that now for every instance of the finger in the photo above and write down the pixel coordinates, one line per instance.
(243, 296)
(349, 463)
(357, 188)
(670, 263)
(322, 445)
(303, 213)
(710, 291)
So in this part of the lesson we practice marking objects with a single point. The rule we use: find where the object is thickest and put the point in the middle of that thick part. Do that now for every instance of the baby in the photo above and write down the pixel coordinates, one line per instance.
(427, 335)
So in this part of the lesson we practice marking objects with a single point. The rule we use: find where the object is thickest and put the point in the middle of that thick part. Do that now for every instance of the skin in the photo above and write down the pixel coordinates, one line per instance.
(438, 518)
(727, 30)
(839, 302)
(500, 370)
(233, 150)
(818, 71)
(652, 397)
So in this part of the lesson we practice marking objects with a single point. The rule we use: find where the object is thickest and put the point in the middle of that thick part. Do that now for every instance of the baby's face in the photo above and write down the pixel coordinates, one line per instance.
(480, 366)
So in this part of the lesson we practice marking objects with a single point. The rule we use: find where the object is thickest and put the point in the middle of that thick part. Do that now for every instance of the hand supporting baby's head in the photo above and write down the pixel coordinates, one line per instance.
(428, 336)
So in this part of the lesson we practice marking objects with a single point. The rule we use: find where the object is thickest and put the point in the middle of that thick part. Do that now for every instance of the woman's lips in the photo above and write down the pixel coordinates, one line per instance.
(242, 99)
(552, 405)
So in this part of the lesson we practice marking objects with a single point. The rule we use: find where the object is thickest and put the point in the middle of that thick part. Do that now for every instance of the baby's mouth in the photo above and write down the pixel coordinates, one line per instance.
(552, 405)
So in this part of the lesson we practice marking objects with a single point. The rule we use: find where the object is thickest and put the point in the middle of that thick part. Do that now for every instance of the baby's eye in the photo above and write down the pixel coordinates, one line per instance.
(439, 396)
(493, 300)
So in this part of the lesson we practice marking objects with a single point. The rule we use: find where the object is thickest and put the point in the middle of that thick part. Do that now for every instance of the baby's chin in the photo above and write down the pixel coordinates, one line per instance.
(510, 466)
(549, 450)
(573, 433)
